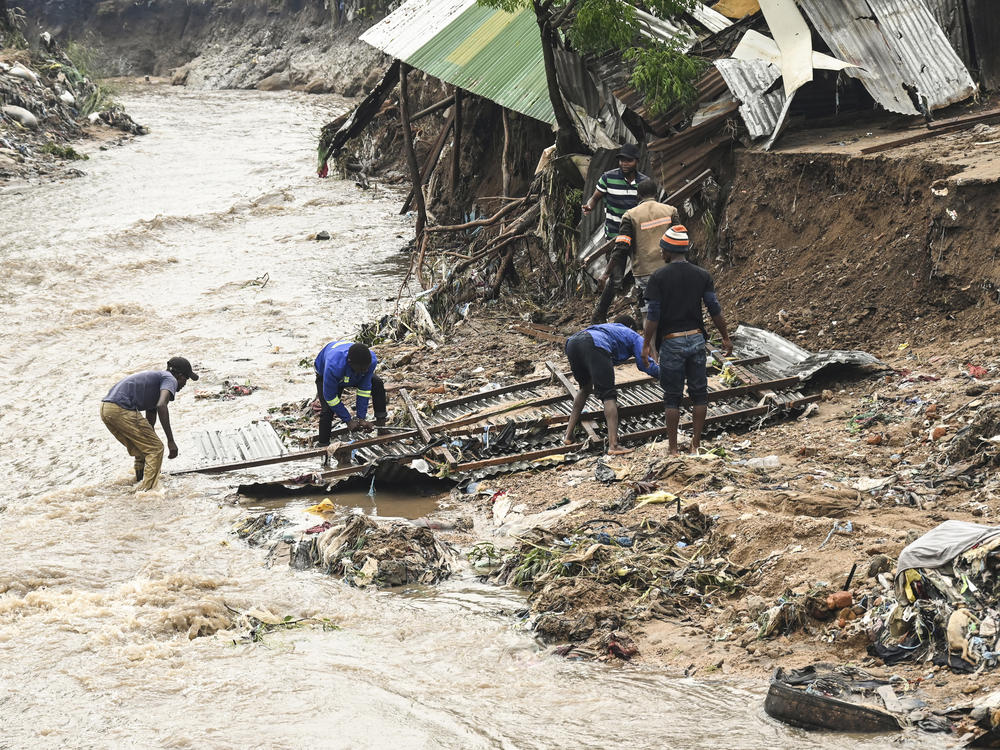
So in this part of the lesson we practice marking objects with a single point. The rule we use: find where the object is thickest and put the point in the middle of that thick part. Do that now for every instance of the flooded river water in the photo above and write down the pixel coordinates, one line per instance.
(148, 256)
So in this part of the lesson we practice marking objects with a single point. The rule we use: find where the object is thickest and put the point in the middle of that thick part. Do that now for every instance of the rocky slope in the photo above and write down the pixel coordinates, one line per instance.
(301, 44)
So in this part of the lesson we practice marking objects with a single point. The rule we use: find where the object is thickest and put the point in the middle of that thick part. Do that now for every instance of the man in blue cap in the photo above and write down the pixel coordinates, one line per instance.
(130, 411)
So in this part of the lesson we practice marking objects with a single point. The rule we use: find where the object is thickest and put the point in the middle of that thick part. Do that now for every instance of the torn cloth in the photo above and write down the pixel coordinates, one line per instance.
(943, 543)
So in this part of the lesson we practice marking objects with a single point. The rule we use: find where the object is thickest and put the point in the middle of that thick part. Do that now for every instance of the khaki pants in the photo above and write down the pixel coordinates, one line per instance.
(133, 430)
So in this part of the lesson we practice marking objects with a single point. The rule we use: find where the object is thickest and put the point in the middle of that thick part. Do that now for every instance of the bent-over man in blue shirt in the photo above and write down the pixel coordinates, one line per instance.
(593, 354)
(340, 365)
(130, 410)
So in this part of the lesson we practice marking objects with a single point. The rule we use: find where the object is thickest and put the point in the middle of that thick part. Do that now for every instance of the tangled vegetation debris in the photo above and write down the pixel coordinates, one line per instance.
(365, 553)
(598, 575)
(357, 549)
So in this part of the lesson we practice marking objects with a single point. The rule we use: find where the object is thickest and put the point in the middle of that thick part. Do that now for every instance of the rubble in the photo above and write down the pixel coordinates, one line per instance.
(357, 549)
(47, 102)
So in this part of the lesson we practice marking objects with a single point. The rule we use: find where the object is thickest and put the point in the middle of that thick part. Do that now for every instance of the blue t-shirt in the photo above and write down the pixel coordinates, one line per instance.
(141, 392)
(623, 344)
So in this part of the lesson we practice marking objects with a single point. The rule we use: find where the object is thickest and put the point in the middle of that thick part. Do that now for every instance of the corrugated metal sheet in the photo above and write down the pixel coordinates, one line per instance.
(491, 53)
(709, 18)
(749, 80)
(954, 21)
(788, 359)
(898, 44)
(257, 440)
(408, 28)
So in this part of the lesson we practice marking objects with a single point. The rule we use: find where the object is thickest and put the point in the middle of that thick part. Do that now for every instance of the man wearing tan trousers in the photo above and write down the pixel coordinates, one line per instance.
(130, 410)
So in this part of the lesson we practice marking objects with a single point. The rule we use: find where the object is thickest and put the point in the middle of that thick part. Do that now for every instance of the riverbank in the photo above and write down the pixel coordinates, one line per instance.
(773, 506)
(49, 107)
(151, 268)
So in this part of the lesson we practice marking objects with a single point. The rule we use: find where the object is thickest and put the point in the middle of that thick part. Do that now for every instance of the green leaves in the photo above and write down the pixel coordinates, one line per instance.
(665, 76)
(603, 25)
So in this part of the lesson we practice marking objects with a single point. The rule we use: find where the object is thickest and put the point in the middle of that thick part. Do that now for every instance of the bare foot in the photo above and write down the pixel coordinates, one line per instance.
(619, 451)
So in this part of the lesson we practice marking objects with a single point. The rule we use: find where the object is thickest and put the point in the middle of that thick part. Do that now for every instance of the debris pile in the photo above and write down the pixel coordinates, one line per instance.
(847, 699)
(593, 579)
(256, 530)
(228, 392)
(366, 553)
(947, 600)
(46, 101)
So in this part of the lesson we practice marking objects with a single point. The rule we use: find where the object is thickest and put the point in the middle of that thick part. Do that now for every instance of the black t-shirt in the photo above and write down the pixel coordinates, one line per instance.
(680, 287)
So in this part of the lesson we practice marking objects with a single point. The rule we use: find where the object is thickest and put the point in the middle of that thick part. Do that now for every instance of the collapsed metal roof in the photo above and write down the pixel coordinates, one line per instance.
(787, 359)
(896, 44)
(752, 83)
(521, 426)
(895, 48)
(492, 53)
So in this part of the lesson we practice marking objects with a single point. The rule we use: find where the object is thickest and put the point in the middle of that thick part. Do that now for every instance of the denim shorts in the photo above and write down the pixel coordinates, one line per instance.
(681, 359)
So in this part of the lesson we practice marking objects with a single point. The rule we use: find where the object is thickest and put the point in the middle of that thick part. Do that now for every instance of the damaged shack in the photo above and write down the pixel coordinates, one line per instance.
(477, 124)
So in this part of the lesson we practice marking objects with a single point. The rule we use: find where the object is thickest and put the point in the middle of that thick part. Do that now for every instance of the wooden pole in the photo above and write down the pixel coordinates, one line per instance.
(505, 166)
(443, 104)
(411, 156)
(432, 160)
(457, 141)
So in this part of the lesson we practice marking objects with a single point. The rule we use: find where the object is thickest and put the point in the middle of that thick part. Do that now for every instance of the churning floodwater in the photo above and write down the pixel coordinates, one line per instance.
(162, 249)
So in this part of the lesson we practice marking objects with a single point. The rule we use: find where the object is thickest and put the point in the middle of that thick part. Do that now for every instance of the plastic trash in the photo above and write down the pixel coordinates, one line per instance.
(326, 506)
(660, 496)
(765, 462)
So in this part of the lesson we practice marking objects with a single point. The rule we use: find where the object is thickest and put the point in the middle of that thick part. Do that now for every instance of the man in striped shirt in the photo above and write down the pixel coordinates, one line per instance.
(617, 188)
(639, 239)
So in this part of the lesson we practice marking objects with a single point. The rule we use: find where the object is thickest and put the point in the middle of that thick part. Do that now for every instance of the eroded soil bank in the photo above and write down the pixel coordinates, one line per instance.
(302, 44)
(892, 254)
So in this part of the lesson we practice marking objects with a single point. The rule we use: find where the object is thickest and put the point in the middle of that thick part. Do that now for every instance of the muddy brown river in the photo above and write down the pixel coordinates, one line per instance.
(159, 250)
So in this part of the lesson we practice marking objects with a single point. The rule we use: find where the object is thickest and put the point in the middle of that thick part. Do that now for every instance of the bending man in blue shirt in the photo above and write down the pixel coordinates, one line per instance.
(593, 354)
(340, 365)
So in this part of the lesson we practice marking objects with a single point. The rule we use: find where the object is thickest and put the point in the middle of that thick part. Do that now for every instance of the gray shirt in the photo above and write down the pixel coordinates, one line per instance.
(141, 392)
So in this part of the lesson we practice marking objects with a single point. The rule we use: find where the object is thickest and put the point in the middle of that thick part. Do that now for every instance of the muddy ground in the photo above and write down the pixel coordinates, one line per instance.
(890, 253)
(896, 425)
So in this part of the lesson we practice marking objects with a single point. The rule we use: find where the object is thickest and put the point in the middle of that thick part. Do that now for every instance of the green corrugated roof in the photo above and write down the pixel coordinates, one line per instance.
(494, 54)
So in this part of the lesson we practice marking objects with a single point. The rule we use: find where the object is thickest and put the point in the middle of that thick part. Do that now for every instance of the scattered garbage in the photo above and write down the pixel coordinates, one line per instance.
(365, 553)
(228, 392)
(620, 572)
(46, 102)
(766, 462)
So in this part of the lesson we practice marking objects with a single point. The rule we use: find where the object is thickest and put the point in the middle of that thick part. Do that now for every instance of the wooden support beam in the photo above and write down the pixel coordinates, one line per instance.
(422, 428)
(529, 456)
(533, 332)
(456, 143)
(934, 129)
(756, 411)
(505, 161)
(482, 395)
(411, 156)
(588, 425)
(432, 160)
(443, 104)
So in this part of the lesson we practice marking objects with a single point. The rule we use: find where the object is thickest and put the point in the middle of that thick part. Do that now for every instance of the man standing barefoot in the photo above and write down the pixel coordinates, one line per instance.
(674, 322)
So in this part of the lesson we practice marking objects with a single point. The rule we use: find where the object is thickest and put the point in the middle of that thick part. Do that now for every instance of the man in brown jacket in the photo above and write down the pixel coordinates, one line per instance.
(639, 239)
